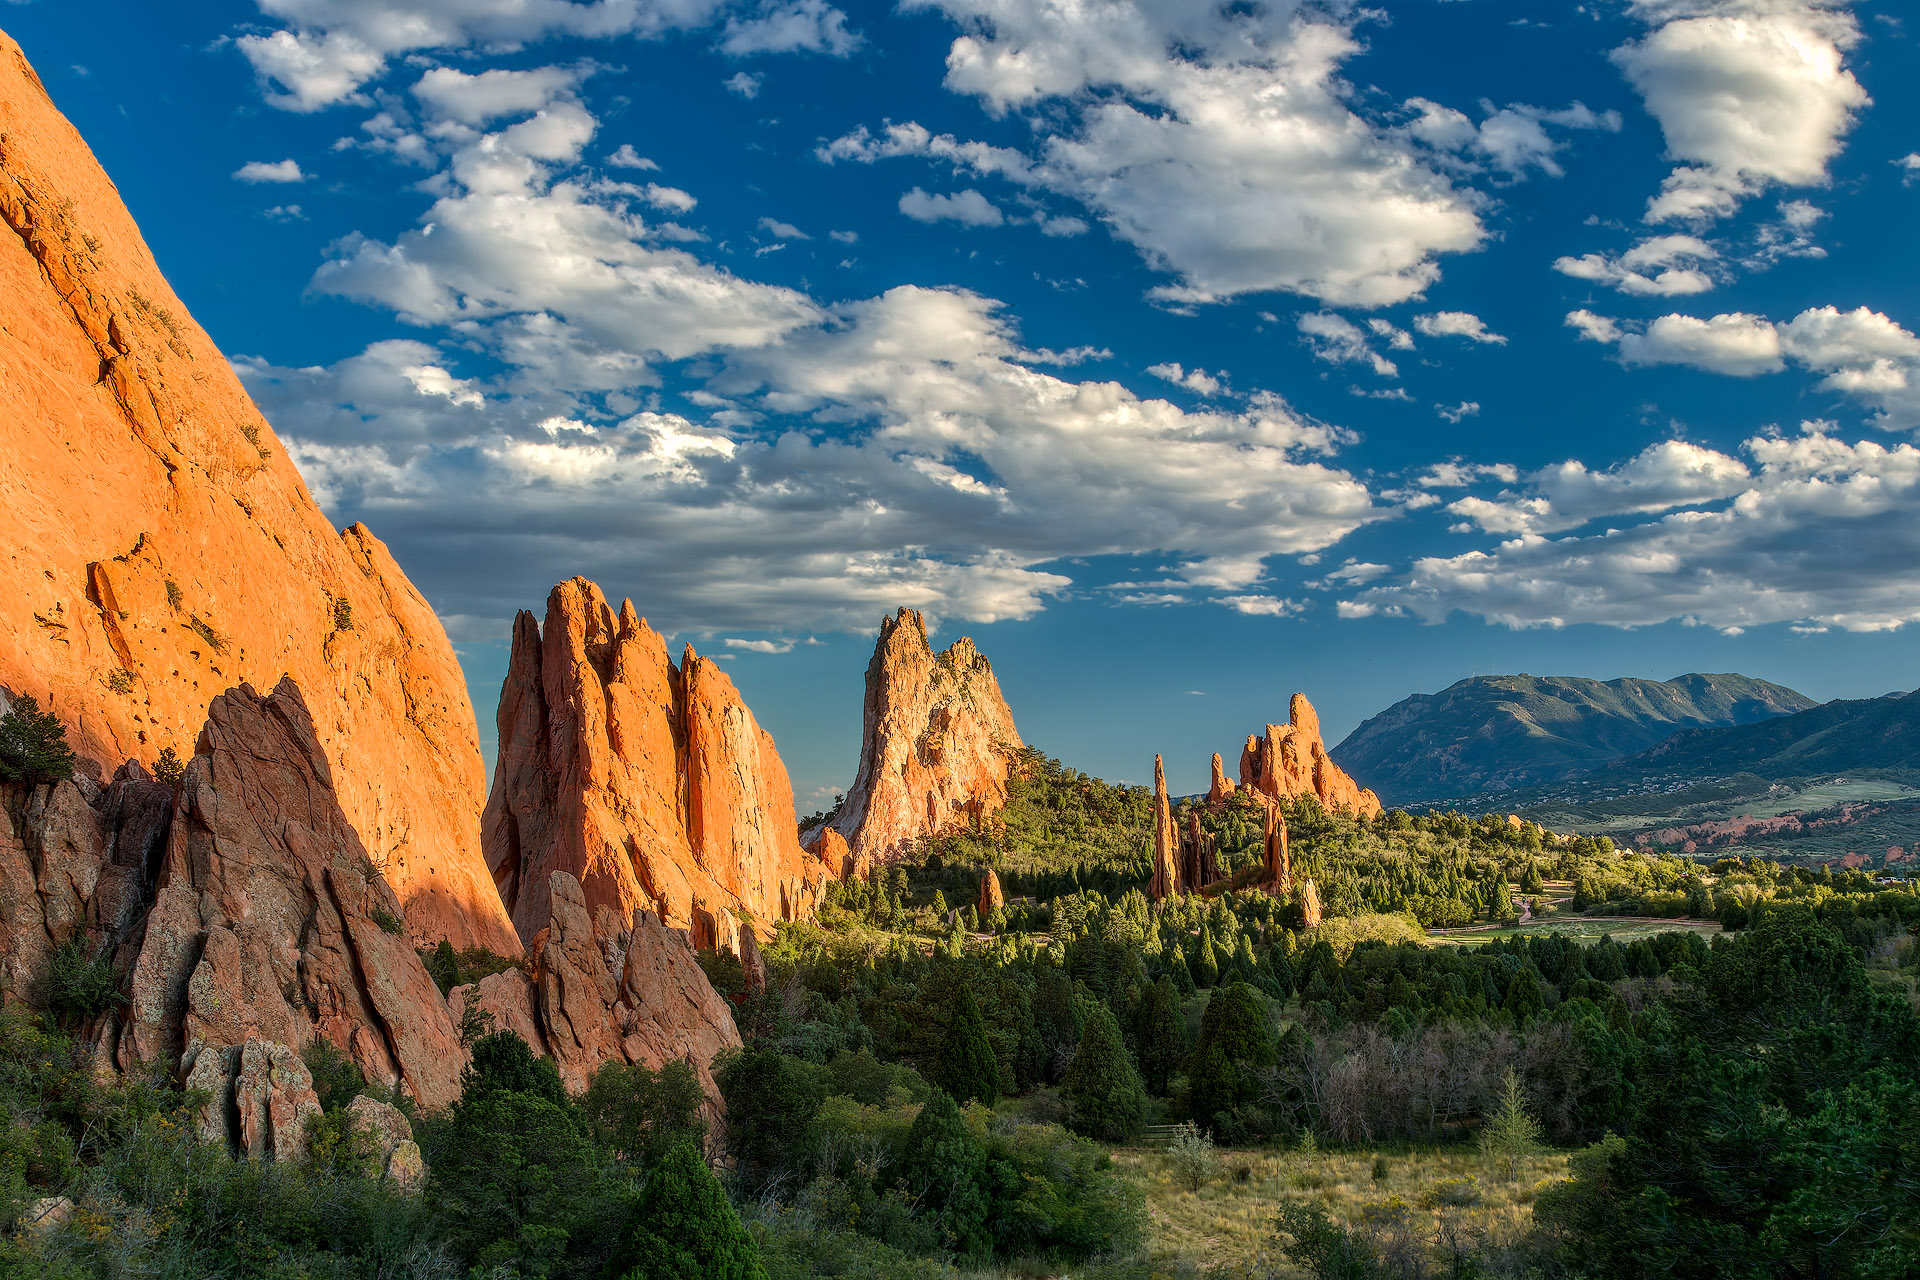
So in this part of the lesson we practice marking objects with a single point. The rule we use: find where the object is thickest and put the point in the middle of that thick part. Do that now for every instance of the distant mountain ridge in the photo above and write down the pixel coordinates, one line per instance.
(1836, 737)
(1497, 733)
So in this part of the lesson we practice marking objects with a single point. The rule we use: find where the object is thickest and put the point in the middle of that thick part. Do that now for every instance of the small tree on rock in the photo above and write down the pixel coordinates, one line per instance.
(33, 745)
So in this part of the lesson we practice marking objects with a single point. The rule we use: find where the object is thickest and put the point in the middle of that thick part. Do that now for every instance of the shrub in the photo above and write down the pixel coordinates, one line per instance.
(174, 597)
(33, 745)
(388, 921)
(336, 1079)
(204, 629)
(640, 1115)
(342, 614)
(79, 988)
(1191, 1154)
(119, 680)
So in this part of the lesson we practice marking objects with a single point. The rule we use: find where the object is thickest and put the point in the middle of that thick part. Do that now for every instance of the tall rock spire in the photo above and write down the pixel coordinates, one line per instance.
(1166, 862)
(1279, 860)
(936, 739)
(649, 783)
(1292, 760)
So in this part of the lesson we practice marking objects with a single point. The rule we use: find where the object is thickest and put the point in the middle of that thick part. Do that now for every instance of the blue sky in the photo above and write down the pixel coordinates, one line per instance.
(1184, 355)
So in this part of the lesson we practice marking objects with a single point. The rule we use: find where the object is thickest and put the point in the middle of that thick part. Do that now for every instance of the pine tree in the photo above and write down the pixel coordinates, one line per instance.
(1523, 999)
(1206, 965)
(1102, 1089)
(966, 1067)
(1510, 1134)
(1177, 970)
(1235, 1041)
(683, 1228)
(1161, 1034)
(945, 1167)
(33, 745)
(1532, 882)
(443, 966)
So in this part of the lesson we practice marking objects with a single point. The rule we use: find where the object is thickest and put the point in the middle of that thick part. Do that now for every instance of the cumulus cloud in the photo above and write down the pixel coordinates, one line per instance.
(1510, 141)
(1661, 477)
(1196, 380)
(275, 171)
(1658, 266)
(969, 208)
(819, 464)
(796, 26)
(1338, 340)
(1820, 533)
(1748, 93)
(1217, 140)
(1457, 324)
(744, 83)
(1455, 412)
(1862, 354)
(481, 98)
(327, 51)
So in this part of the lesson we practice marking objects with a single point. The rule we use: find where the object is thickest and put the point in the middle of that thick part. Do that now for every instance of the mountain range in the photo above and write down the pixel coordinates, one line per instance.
(1499, 733)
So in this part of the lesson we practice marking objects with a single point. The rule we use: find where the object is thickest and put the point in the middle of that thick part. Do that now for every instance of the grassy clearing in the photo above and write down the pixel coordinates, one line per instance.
(1227, 1229)
(1585, 929)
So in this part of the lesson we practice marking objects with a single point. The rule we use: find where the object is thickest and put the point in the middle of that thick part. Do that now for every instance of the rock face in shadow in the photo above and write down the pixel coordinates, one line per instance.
(164, 547)
(935, 745)
(1292, 761)
(270, 926)
(650, 784)
(606, 990)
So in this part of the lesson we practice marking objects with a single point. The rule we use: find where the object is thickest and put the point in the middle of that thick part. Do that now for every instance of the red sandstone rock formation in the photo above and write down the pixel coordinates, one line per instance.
(162, 547)
(1292, 761)
(1310, 903)
(991, 898)
(1221, 786)
(649, 784)
(1166, 860)
(936, 737)
(1279, 859)
(599, 993)
(271, 926)
(1199, 855)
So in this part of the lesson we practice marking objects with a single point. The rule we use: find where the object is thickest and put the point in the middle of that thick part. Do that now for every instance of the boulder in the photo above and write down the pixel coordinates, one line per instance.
(647, 783)
(389, 1141)
(936, 742)
(164, 548)
(45, 1215)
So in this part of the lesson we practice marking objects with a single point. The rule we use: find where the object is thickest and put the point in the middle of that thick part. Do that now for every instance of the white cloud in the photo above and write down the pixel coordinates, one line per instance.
(329, 49)
(1821, 533)
(1338, 340)
(672, 199)
(968, 208)
(1661, 477)
(1217, 140)
(1457, 324)
(479, 99)
(1196, 380)
(782, 230)
(1658, 266)
(1747, 92)
(899, 449)
(1863, 354)
(275, 171)
(1909, 167)
(759, 646)
(1397, 338)
(795, 26)
(627, 158)
(1454, 413)
(1510, 141)
(1458, 475)
(1263, 606)
(845, 237)
(744, 83)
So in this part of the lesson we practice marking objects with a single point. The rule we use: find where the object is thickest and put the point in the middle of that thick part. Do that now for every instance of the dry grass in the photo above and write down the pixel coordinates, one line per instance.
(1227, 1228)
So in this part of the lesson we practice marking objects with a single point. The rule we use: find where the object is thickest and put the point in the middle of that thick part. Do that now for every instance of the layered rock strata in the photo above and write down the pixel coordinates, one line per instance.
(936, 741)
(649, 784)
(1291, 760)
(164, 548)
